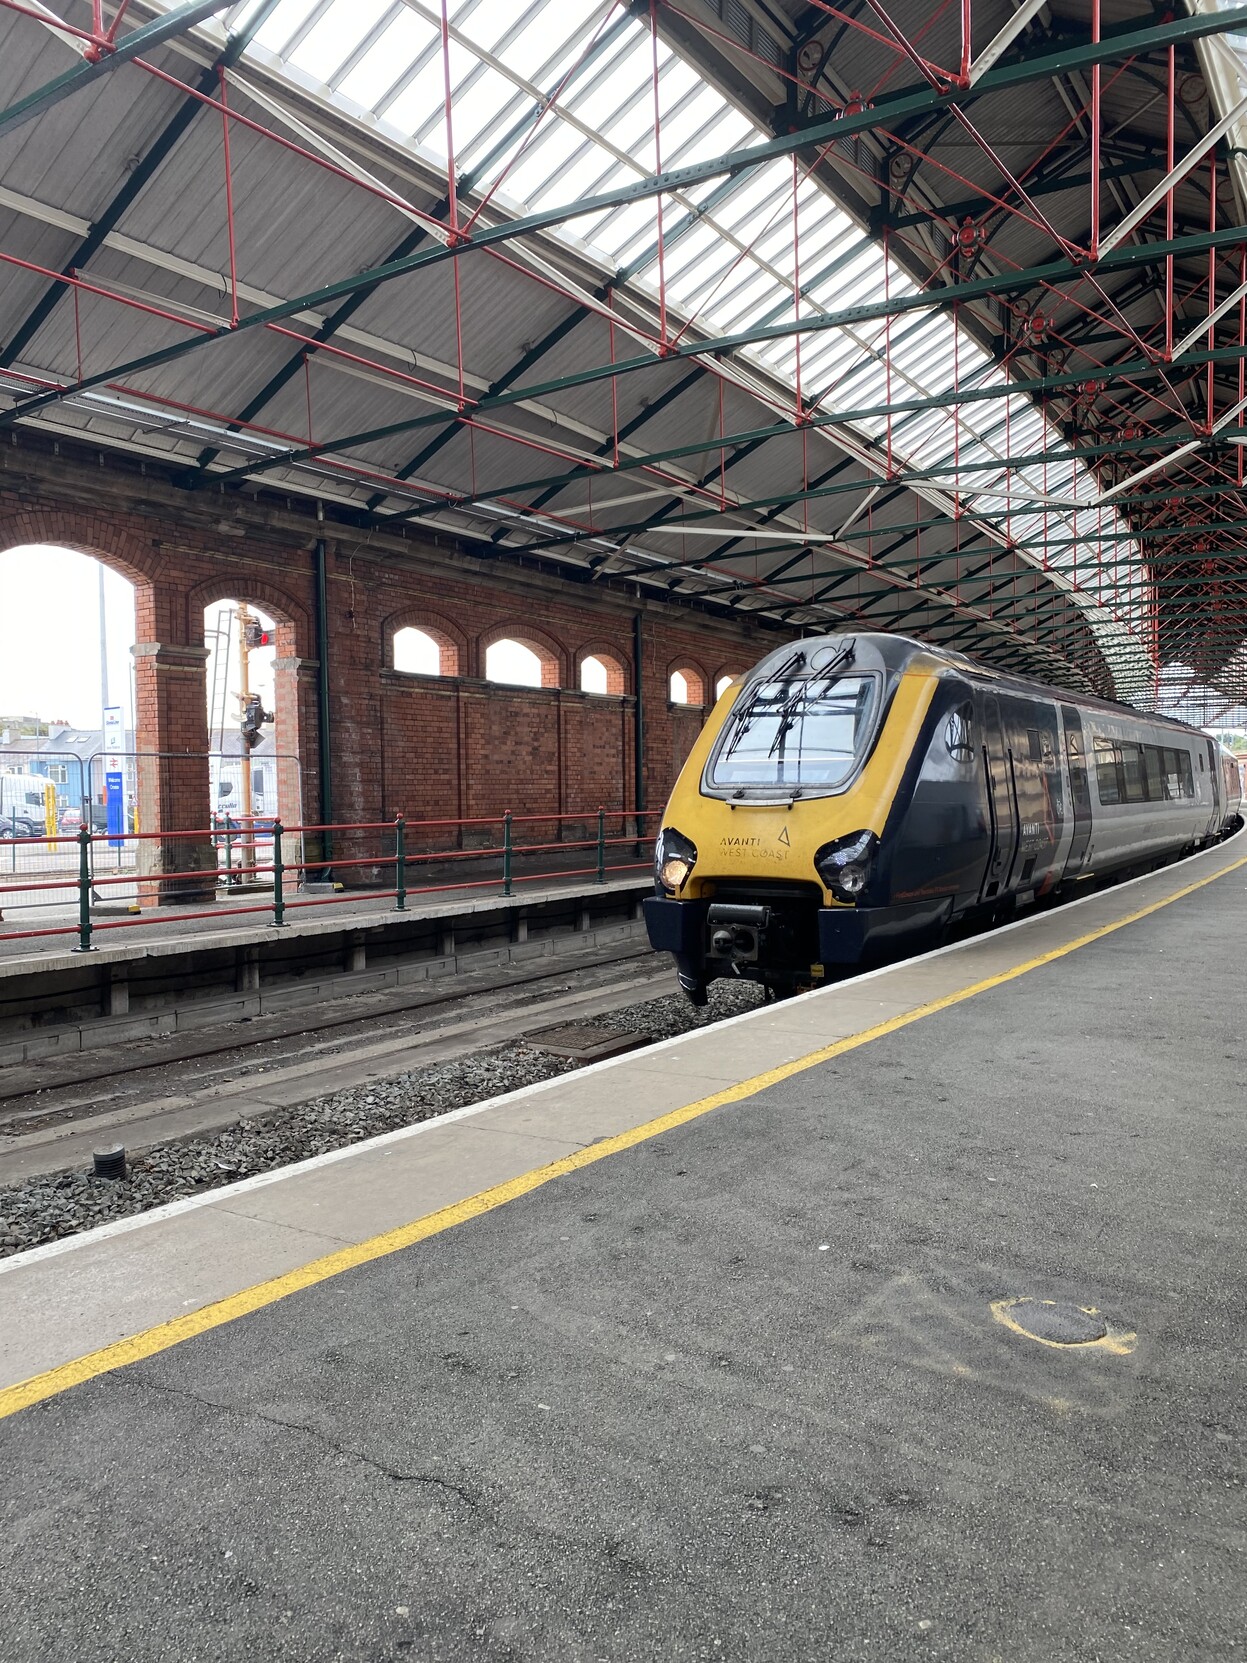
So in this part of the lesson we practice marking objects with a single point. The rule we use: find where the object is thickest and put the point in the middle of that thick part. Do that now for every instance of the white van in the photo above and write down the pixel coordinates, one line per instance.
(22, 812)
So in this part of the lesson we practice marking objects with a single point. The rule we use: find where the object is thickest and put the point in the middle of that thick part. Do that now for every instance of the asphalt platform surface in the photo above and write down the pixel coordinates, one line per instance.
(736, 1393)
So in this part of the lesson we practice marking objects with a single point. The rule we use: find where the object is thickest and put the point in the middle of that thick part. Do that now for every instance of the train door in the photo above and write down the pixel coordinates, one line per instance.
(1215, 785)
(1079, 788)
(1001, 801)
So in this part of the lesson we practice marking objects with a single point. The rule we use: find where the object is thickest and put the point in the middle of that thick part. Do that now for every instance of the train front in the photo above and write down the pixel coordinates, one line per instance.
(774, 823)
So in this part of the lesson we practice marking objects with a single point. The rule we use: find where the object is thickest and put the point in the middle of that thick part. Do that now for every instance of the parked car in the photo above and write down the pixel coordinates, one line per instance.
(15, 826)
(21, 805)
(71, 818)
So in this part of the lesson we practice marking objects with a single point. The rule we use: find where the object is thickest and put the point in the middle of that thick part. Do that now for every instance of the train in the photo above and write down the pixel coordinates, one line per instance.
(854, 796)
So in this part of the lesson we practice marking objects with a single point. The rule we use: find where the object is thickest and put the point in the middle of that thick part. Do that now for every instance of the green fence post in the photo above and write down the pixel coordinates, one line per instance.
(229, 851)
(601, 845)
(84, 891)
(279, 900)
(400, 864)
(506, 853)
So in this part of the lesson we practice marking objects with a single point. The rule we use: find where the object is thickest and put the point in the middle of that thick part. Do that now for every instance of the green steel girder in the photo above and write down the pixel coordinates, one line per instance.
(911, 477)
(1115, 44)
(415, 238)
(130, 45)
(896, 484)
(1108, 583)
(972, 206)
(1136, 370)
(909, 530)
(138, 178)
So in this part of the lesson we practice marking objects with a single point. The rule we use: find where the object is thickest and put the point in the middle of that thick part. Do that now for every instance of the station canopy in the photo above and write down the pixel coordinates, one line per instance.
(909, 316)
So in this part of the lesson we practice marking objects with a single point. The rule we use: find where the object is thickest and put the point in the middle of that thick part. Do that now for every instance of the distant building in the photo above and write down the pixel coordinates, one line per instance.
(73, 759)
(62, 754)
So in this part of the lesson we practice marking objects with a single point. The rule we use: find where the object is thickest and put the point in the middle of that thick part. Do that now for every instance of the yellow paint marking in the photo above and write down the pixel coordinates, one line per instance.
(166, 1334)
(1119, 1343)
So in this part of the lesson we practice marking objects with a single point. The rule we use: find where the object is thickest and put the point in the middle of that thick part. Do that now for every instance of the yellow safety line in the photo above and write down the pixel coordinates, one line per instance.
(166, 1334)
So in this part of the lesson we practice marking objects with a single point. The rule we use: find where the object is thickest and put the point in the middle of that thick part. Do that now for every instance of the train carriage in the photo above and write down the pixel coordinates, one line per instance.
(856, 793)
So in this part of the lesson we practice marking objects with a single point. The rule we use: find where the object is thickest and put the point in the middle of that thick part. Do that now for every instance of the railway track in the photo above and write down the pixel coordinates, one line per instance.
(196, 1087)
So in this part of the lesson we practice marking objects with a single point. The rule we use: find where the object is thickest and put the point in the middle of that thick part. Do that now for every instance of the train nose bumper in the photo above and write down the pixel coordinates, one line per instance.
(847, 934)
(677, 927)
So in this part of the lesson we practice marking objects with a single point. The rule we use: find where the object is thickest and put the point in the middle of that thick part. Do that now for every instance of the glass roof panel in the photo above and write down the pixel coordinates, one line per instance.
(590, 110)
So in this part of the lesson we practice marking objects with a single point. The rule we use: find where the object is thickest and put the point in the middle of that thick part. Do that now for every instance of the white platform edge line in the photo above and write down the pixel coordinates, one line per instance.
(173, 1209)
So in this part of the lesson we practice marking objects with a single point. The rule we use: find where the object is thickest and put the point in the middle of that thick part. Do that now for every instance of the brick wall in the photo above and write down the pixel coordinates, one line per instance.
(431, 747)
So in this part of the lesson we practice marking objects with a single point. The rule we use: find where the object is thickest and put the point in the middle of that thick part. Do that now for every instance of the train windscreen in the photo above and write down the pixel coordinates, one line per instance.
(801, 732)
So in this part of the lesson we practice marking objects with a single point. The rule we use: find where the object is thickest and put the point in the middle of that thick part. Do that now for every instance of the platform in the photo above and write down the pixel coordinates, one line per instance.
(182, 974)
(708, 1351)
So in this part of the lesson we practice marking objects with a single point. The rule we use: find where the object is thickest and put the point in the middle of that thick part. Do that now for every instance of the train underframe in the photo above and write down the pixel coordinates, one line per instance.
(786, 939)
(786, 942)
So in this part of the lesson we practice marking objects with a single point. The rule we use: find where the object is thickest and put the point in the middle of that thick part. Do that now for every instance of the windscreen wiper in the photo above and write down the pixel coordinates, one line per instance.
(747, 715)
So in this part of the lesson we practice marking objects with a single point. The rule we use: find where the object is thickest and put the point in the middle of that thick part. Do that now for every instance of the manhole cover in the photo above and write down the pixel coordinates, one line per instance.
(582, 1042)
(1056, 1322)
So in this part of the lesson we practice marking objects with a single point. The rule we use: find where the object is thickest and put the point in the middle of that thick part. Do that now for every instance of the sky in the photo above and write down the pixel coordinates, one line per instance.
(50, 639)
(50, 635)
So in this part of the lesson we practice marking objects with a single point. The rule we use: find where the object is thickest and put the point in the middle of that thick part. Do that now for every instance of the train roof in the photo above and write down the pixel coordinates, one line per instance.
(894, 654)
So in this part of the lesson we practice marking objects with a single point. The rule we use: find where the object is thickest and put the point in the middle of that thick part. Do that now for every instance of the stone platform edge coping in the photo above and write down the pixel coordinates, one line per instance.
(251, 935)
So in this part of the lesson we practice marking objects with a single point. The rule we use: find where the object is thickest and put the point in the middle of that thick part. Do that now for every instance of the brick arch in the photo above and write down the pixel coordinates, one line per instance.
(87, 533)
(617, 678)
(93, 534)
(291, 616)
(695, 675)
(552, 653)
(732, 670)
(453, 644)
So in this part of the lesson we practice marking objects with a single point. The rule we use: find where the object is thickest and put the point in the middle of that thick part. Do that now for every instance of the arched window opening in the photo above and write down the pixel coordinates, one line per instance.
(252, 769)
(721, 686)
(67, 691)
(600, 673)
(686, 688)
(423, 652)
(518, 664)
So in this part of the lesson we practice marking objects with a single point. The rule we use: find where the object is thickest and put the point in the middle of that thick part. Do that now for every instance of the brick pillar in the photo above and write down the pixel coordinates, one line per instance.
(173, 787)
(294, 686)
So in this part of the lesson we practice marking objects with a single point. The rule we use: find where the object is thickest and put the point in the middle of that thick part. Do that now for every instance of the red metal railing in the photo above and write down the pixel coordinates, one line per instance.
(240, 843)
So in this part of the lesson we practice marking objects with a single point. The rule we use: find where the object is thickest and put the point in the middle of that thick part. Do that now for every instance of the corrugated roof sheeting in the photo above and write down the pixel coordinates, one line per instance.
(297, 226)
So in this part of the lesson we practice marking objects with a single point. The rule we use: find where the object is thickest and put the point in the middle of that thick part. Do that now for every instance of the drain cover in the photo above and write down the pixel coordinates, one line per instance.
(582, 1042)
(1057, 1323)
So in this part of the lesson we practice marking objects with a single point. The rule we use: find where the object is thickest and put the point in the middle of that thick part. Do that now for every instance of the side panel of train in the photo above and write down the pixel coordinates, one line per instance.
(1009, 795)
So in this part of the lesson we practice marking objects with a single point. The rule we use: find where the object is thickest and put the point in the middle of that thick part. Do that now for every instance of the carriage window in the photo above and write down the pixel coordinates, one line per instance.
(959, 734)
(798, 732)
(1032, 744)
(1107, 771)
(1134, 789)
(1155, 774)
(1186, 774)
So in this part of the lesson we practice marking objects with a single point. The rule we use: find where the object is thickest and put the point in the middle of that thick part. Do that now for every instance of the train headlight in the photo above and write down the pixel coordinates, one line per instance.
(674, 858)
(845, 865)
